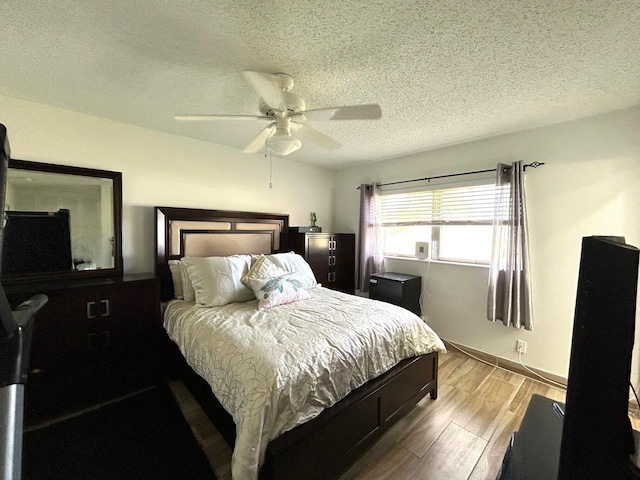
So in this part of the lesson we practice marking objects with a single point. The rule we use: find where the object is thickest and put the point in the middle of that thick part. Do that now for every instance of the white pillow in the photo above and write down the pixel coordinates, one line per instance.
(216, 280)
(294, 263)
(187, 286)
(176, 276)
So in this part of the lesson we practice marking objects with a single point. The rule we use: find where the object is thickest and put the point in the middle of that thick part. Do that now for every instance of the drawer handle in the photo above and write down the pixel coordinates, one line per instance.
(105, 311)
(99, 340)
(332, 261)
(106, 338)
(106, 308)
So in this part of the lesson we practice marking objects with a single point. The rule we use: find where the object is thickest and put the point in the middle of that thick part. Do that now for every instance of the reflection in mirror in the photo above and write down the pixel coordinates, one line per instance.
(69, 215)
(89, 201)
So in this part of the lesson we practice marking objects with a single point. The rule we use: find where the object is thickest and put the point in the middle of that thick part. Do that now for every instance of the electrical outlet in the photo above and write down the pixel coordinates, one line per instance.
(521, 346)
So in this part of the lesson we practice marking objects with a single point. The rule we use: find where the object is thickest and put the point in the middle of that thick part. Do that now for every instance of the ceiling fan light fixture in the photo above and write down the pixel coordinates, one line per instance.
(283, 143)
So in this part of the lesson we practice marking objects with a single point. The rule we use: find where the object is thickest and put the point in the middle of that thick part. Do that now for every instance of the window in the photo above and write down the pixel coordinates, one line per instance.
(457, 223)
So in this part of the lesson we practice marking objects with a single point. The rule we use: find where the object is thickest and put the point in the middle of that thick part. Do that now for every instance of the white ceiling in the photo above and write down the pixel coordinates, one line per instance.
(443, 72)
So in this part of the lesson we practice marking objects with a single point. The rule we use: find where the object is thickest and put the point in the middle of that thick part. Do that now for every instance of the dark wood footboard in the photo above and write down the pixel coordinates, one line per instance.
(327, 445)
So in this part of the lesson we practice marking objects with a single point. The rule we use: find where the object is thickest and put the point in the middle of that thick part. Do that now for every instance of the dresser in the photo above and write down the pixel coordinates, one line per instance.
(332, 257)
(94, 340)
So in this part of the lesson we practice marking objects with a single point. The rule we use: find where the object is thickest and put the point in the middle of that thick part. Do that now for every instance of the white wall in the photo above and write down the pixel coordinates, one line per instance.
(590, 184)
(160, 169)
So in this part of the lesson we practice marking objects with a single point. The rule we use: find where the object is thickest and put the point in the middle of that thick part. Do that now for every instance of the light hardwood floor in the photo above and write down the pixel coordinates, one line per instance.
(460, 436)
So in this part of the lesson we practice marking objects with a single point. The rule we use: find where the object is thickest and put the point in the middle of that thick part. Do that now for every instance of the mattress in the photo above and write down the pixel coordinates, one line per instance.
(275, 369)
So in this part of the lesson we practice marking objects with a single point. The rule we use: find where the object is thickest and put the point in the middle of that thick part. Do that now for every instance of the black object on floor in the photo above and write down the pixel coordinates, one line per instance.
(141, 437)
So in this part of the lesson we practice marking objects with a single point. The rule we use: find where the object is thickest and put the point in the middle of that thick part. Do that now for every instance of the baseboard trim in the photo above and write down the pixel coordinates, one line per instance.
(510, 365)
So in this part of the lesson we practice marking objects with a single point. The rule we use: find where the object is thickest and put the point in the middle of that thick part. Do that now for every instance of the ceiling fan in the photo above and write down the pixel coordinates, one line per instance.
(285, 112)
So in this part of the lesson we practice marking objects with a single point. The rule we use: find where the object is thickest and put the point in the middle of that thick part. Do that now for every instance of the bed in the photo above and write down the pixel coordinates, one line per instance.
(299, 379)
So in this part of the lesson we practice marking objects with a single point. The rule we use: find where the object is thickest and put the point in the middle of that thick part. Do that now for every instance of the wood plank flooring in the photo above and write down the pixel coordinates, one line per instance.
(460, 436)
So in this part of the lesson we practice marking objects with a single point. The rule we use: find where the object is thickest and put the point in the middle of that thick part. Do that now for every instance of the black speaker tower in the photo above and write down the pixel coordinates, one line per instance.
(597, 439)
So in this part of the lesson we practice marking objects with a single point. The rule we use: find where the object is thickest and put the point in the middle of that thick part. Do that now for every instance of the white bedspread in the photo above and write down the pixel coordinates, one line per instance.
(278, 368)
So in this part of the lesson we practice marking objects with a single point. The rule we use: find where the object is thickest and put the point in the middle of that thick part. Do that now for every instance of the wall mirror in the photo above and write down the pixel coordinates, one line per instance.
(61, 222)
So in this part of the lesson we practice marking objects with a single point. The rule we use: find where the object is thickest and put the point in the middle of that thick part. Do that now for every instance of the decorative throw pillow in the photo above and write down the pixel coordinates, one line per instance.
(176, 276)
(294, 263)
(278, 290)
(216, 280)
(262, 268)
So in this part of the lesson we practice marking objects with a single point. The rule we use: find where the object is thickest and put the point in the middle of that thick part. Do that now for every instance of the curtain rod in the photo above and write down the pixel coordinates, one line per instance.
(428, 179)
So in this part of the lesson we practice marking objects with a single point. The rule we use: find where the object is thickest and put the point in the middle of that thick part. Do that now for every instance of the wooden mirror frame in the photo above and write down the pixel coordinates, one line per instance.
(116, 178)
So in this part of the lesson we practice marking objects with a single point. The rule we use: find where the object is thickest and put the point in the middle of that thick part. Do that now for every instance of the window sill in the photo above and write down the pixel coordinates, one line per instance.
(443, 262)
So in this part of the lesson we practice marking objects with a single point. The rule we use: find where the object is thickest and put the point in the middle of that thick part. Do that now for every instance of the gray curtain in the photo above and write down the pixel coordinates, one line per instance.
(509, 298)
(370, 240)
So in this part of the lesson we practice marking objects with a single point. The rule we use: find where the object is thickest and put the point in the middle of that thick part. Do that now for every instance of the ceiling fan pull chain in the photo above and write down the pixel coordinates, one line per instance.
(270, 163)
(268, 152)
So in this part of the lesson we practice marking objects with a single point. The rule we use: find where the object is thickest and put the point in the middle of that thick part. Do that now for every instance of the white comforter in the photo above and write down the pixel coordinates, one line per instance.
(278, 368)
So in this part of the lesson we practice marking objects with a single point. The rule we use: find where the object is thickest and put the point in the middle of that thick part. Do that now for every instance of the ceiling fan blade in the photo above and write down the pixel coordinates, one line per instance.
(257, 144)
(315, 136)
(355, 112)
(208, 118)
(266, 86)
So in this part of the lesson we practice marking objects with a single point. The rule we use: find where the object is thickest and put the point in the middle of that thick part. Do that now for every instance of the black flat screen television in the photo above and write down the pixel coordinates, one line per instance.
(36, 242)
(597, 438)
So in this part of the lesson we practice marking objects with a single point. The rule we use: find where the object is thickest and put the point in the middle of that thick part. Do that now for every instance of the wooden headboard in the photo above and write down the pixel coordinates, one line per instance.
(202, 233)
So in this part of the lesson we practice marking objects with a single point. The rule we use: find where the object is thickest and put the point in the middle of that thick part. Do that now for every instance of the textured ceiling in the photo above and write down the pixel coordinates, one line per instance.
(443, 72)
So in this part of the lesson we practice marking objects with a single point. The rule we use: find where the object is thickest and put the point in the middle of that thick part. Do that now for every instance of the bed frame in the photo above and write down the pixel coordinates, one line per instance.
(327, 445)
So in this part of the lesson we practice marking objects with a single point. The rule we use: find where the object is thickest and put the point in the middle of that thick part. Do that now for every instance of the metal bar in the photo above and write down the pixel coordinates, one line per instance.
(11, 422)
(428, 179)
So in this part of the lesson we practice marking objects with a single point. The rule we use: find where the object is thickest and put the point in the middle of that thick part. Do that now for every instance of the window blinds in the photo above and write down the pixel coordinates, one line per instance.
(469, 205)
